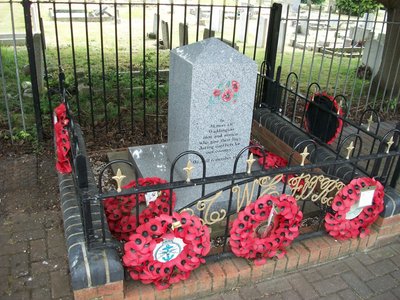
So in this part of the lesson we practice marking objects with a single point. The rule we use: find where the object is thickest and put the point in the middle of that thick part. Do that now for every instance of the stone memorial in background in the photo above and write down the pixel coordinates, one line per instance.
(207, 33)
(210, 109)
(183, 34)
(165, 34)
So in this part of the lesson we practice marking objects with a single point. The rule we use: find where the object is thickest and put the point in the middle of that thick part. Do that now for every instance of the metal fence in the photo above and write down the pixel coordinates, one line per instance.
(373, 155)
(116, 57)
(344, 54)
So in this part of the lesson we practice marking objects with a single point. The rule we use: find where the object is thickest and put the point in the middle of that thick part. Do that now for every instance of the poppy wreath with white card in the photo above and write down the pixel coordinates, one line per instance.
(166, 249)
(265, 228)
(121, 210)
(355, 208)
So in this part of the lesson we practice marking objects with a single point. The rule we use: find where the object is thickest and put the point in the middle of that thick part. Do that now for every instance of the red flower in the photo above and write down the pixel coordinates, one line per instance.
(235, 86)
(227, 95)
(217, 93)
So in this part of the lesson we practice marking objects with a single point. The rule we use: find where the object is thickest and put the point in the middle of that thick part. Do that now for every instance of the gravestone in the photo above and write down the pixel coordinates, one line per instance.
(211, 96)
(155, 23)
(165, 34)
(242, 26)
(262, 32)
(216, 20)
(372, 55)
(183, 34)
(207, 33)
(210, 109)
(153, 34)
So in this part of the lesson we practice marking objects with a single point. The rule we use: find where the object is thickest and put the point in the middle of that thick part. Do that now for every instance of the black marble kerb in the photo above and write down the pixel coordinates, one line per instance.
(87, 268)
(292, 136)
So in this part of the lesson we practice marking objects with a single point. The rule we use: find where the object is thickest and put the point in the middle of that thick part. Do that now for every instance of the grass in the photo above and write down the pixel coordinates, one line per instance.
(341, 80)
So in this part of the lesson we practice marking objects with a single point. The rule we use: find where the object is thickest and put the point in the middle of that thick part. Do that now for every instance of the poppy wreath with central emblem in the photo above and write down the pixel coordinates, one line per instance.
(121, 213)
(339, 225)
(63, 144)
(148, 260)
(265, 228)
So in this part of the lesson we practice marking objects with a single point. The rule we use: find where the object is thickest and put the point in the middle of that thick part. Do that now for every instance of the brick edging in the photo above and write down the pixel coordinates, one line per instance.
(227, 273)
(89, 270)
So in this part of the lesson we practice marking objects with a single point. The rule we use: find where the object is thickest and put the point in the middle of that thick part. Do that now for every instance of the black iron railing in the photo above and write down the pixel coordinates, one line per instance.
(380, 162)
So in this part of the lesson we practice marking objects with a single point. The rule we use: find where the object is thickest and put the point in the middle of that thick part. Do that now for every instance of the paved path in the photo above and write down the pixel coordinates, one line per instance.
(33, 255)
(33, 261)
(371, 275)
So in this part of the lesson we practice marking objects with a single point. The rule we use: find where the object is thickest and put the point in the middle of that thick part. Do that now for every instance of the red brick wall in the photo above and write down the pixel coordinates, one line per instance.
(228, 273)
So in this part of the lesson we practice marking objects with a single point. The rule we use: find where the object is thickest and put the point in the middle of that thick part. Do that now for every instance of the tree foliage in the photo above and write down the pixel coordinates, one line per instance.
(357, 7)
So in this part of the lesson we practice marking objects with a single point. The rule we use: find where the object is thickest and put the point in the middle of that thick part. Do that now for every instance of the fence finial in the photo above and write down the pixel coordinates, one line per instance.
(350, 148)
(389, 144)
(188, 169)
(250, 161)
(369, 121)
(118, 178)
(304, 155)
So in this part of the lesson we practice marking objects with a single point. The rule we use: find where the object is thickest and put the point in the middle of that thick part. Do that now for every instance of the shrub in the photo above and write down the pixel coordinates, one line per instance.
(357, 7)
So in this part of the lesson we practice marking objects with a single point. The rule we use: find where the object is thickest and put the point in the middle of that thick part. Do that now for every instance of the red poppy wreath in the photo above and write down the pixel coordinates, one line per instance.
(265, 228)
(323, 124)
(166, 249)
(355, 208)
(272, 161)
(63, 145)
(120, 212)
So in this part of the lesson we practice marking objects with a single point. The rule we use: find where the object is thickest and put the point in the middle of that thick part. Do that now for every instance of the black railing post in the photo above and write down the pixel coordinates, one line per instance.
(32, 68)
(271, 50)
(396, 172)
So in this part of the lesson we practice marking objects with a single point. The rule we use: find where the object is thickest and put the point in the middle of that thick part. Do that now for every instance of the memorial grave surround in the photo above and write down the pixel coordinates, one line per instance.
(210, 121)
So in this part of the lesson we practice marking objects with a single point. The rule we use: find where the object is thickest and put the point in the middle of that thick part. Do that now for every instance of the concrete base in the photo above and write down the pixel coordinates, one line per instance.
(152, 161)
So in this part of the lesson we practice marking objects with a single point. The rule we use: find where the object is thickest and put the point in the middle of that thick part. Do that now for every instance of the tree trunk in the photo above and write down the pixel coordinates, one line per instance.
(388, 76)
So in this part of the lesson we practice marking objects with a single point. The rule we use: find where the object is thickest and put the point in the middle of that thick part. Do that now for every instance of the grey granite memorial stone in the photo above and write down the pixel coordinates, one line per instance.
(211, 97)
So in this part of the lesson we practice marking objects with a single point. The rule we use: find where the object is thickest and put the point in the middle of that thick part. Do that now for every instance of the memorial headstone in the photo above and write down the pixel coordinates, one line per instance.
(242, 26)
(210, 109)
(372, 55)
(211, 95)
(183, 34)
(207, 33)
(155, 24)
(262, 32)
(165, 34)
(216, 20)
